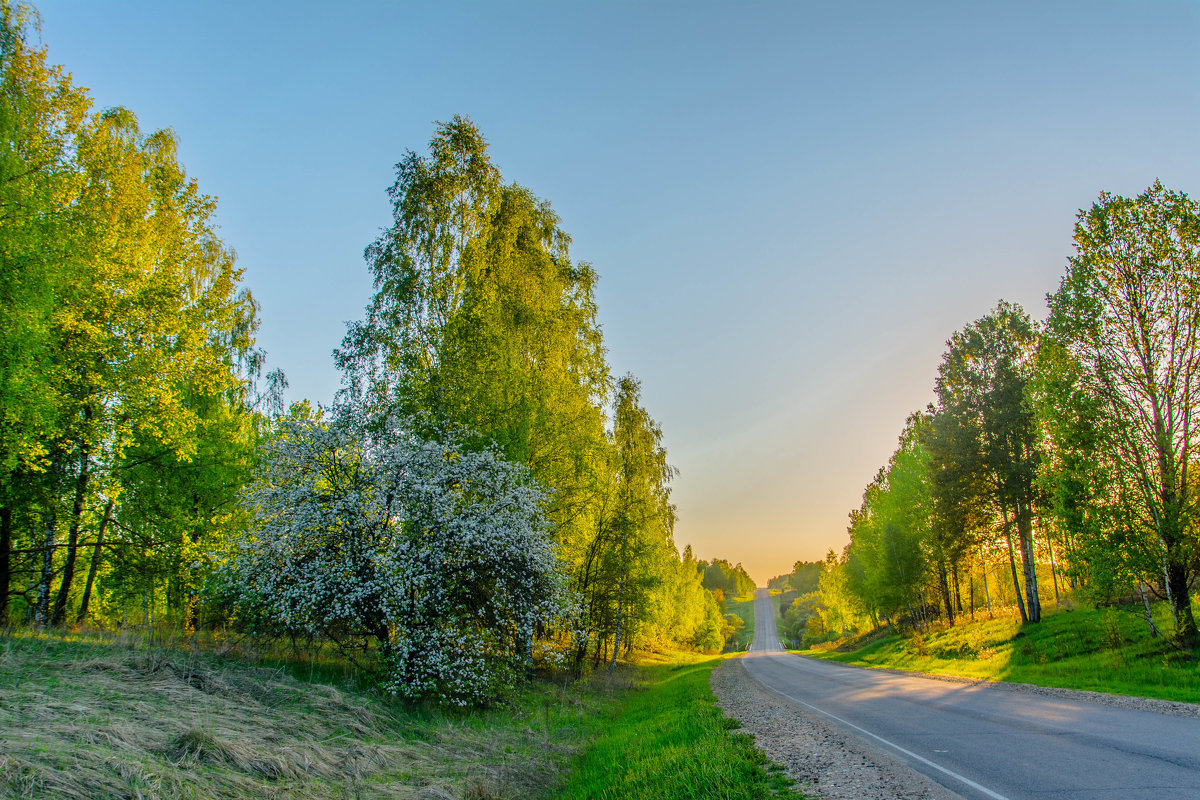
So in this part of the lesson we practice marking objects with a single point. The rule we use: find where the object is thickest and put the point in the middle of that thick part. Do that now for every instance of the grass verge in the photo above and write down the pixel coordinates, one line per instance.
(668, 741)
(1101, 650)
(98, 715)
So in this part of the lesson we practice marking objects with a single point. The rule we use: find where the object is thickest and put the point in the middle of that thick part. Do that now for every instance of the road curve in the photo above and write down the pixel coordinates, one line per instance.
(987, 742)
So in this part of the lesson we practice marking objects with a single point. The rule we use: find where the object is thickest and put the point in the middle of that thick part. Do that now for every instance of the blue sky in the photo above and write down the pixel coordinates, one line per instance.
(791, 205)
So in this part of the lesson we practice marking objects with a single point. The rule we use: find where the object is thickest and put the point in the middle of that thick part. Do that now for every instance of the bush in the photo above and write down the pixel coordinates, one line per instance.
(367, 534)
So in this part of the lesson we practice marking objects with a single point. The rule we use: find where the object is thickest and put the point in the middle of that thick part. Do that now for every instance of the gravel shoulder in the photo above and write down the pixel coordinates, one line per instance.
(826, 762)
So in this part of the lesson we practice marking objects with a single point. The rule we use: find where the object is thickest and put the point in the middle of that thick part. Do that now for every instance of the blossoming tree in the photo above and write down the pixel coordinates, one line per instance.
(440, 557)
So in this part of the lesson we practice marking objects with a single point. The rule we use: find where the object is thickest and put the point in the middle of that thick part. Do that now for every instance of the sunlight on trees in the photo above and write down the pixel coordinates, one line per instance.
(1079, 436)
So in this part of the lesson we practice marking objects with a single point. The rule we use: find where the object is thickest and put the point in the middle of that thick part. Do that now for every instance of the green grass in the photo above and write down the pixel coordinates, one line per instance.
(668, 741)
(1103, 650)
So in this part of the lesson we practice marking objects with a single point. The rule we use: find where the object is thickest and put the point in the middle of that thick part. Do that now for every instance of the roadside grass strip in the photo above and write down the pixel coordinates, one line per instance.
(1100, 650)
(668, 741)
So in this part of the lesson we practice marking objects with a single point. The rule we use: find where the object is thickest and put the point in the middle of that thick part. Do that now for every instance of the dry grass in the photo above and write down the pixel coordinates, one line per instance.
(96, 717)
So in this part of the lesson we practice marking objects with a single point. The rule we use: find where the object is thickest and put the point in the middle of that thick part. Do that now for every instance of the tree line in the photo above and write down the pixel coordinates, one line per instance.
(128, 372)
(1058, 456)
(483, 492)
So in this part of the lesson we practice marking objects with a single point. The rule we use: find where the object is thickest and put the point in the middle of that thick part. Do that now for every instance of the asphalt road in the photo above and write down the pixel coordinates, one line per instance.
(984, 742)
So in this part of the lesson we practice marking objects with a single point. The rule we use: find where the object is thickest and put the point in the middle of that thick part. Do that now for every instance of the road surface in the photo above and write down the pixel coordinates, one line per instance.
(987, 742)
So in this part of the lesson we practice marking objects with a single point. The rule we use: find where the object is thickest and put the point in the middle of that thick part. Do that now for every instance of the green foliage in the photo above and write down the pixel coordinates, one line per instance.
(731, 580)
(887, 563)
(739, 624)
(802, 620)
(482, 323)
(1127, 318)
(981, 388)
(126, 355)
(1079, 440)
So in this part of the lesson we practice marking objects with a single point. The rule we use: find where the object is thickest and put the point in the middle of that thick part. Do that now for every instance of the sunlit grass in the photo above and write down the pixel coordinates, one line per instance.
(668, 741)
(1103, 650)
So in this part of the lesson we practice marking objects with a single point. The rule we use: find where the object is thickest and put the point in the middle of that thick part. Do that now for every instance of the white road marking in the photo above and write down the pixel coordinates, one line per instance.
(894, 746)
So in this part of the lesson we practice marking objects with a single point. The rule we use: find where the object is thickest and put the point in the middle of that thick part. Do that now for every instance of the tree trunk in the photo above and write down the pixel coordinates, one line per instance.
(93, 568)
(621, 593)
(987, 592)
(1146, 609)
(1024, 518)
(5, 569)
(944, 583)
(1053, 570)
(971, 591)
(64, 588)
(1178, 592)
(41, 615)
(954, 574)
(1012, 563)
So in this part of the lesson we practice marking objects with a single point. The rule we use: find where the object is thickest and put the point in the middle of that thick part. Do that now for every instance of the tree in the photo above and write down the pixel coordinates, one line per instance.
(981, 387)
(122, 318)
(1128, 313)
(887, 560)
(481, 321)
(436, 555)
(962, 509)
(643, 516)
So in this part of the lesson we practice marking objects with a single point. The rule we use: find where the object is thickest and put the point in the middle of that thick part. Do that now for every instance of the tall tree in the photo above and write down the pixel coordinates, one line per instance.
(120, 305)
(643, 516)
(981, 387)
(481, 321)
(961, 505)
(1128, 312)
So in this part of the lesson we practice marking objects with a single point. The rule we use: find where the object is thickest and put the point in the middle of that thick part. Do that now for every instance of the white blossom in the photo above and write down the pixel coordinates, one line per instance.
(439, 555)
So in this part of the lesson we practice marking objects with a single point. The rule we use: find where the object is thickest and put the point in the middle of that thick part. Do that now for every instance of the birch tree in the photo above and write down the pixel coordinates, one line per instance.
(1128, 313)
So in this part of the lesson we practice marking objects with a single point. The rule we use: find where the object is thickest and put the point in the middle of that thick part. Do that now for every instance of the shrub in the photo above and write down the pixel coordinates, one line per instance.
(365, 533)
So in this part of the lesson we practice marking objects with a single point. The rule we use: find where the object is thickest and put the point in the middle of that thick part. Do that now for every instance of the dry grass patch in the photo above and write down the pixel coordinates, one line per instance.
(94, 717)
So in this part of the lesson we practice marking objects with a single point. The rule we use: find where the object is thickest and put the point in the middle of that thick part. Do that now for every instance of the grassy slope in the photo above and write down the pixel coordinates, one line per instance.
(1106, 650)
(91, 716)
(669, 742)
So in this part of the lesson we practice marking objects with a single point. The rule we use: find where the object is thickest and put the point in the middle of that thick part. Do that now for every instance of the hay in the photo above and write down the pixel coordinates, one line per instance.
(117, 719)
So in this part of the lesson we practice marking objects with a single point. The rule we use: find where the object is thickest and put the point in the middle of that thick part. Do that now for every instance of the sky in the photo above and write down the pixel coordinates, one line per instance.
(791, 205)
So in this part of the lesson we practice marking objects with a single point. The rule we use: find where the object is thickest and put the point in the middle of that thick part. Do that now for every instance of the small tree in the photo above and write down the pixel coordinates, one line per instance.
(367, 534)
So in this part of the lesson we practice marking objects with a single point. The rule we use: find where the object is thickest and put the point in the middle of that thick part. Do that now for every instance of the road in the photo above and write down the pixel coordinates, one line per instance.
(987, 742)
